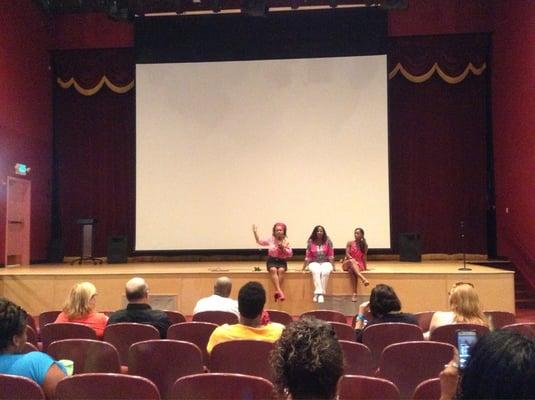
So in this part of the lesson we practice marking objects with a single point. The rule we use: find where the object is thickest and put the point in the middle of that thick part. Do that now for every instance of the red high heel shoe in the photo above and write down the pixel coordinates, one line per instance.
(276, 296)
(281, 296)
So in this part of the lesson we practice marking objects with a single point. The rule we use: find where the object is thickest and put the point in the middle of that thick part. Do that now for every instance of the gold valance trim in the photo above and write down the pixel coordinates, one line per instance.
(470, 68)
(91, 91)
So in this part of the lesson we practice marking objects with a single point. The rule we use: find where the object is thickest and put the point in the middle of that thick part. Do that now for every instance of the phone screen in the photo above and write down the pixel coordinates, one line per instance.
(465, 341)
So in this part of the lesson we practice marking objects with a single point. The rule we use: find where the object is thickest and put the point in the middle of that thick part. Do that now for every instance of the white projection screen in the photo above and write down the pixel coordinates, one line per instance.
(224, 145)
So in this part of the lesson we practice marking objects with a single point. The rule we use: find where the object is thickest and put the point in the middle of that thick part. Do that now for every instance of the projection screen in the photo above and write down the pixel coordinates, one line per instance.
(224, 145)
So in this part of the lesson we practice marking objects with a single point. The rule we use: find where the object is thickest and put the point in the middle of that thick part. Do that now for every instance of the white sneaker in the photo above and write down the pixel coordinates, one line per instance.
(321, 299)
(315, 298)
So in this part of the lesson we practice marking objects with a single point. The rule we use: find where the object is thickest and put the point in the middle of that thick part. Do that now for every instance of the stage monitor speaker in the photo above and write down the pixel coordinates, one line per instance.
(56, 251)
(117, 250)
(410, 247)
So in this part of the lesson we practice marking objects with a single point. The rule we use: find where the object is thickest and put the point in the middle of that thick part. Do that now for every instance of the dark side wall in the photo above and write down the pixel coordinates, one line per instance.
(26, 113)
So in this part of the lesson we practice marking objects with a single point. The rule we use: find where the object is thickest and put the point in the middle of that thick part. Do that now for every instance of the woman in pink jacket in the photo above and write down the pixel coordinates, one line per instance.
(355, 260)
(279, 251)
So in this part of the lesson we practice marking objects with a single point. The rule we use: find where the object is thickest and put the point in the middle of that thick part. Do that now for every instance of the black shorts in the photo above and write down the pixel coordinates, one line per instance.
(273, 262)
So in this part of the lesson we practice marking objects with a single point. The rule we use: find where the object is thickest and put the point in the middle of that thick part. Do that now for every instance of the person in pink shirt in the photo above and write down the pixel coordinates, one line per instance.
(355, 260)
(80, 308)
(279, 251)
(319, 260)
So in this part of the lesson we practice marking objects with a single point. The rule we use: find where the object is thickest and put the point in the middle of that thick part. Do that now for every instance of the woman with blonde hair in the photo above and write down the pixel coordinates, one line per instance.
(80, 307)
(464, 308)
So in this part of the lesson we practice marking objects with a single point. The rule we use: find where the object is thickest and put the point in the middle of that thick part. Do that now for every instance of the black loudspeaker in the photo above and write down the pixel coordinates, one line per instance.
(56, 251)
(117, 250)
(410, 247)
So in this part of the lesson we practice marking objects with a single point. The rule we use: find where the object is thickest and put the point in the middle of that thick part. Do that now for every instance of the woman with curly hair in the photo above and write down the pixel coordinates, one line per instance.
(464, 308)
(319, 261)
(37, 366)
(307, 361)
(80, 307)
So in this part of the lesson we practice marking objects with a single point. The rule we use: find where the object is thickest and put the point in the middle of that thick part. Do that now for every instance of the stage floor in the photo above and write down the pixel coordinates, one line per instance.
(178, 285)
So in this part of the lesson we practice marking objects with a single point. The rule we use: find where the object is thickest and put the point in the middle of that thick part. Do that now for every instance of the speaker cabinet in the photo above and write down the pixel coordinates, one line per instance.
(117, 250)
(410, 247)
(56, 251)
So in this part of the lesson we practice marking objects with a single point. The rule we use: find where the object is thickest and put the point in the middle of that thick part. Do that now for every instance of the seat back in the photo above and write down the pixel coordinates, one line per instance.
(326, 315)
(357, 387)
(378, 336)
(163, 361)
(47, 317)
(175, 317)
(447, 333)
(216, 317)
(87, 355)
(343, 331)
(524, 328)
(428, 390)
(30, 320)
(197, 333)
(249, 357)
(19, 388)
(31, 335)
(424, 319)
(281, 317)
(105, 386)
(215, 386)
(498, 319)
(410, 363)
(65, 330)
(357, 358)
(124, 334)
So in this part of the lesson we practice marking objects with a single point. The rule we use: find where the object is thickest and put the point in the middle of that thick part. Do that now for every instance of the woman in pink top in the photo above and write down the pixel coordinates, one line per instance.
(319, 260)
(355, 260)
(279, 251)
(80, 308)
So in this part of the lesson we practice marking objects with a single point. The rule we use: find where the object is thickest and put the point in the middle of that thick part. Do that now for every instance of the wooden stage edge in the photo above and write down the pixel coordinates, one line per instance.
(178, 285)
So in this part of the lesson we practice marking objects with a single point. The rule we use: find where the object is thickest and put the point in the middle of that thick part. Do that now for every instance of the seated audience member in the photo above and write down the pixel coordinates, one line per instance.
(37, 366)
(80, 308)
(307, 361)
(501, 366)
(220, 300)
(138, 309)
(385, 306)
(251, 300)
(464, 309)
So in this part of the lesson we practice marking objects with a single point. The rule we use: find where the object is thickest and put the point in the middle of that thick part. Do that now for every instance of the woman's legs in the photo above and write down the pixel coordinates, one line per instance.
(315, 270)
(275, 279)
(354, 273)
(280, 275)
(326, 269)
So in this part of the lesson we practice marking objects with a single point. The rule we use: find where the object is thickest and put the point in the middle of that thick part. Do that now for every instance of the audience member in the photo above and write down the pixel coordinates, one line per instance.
(138, 310)
(464, 309)
(220, 300)
(501, 366)
(384, 306)
(37, 366)
(251, 300)
(80, 307)
(307, 361)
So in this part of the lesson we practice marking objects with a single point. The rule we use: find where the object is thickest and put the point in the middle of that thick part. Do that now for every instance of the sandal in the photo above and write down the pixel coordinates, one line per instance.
(354, 298)
(276, 296)
(281, 296)
(366, 282)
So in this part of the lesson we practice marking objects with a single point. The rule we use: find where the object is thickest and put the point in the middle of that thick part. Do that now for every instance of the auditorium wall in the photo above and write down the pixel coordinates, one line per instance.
(26, 114)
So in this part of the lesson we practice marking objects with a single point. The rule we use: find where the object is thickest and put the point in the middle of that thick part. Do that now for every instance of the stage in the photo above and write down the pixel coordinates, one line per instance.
(178, 285)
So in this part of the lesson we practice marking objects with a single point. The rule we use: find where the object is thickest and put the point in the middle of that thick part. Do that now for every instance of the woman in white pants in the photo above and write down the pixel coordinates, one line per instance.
(319, 261)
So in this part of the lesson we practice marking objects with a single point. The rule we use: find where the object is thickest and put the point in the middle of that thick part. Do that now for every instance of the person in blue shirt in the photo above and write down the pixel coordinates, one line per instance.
(37, 366)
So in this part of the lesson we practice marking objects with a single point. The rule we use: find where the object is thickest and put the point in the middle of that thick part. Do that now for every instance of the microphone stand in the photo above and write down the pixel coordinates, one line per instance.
(464, 267)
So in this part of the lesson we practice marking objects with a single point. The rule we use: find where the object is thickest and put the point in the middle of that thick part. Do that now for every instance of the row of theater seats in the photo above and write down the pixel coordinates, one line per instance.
(209, 386)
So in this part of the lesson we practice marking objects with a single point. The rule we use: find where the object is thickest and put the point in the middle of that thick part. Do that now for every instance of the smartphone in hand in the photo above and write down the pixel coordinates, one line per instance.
(466, 339)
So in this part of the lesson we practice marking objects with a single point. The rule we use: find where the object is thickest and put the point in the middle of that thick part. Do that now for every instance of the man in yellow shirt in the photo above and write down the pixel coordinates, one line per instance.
(251, 300)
